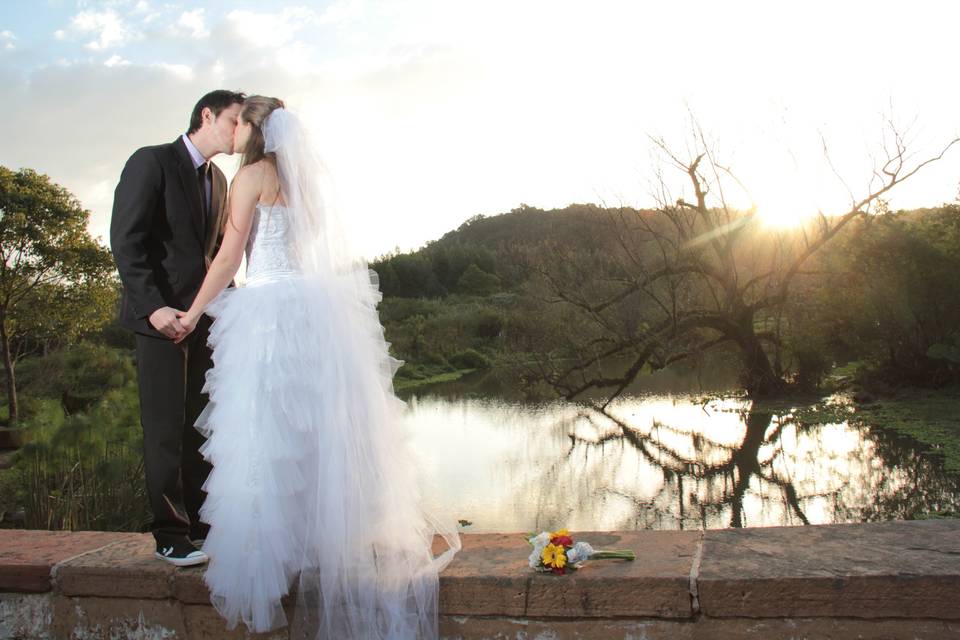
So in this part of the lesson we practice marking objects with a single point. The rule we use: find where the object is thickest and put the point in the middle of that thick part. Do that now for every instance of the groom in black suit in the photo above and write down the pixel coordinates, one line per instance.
(168, 213)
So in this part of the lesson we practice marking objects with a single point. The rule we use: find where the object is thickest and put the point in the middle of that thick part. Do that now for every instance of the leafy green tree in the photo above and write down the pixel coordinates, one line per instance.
(415, 277)
(54, 315)
(900, 311)
(476, 281)
(51, 269)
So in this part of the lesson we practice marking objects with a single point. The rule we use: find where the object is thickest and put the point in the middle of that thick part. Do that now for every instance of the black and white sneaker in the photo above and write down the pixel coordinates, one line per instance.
(182, 554)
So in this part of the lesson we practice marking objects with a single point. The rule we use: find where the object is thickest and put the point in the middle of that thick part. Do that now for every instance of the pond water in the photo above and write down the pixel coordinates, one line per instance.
(658, 459)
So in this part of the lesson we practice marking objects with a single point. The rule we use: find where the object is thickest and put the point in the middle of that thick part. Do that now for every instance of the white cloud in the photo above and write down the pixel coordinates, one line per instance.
(181, 71)
(343, 11)
(107, 27)
(191, 23)
(116, 61)
(269, 29)
(6, 40)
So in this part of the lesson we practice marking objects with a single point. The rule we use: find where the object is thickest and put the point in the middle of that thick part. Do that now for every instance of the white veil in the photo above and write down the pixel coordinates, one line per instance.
(366, 569)
(320, 240)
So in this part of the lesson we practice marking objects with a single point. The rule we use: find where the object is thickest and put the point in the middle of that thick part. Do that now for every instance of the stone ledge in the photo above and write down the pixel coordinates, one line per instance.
(876, 570)
(27, 557)
(490, 576)
(892, 570)
(465, 628)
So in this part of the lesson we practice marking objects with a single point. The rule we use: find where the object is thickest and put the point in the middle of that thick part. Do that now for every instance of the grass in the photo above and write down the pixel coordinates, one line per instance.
(403, 384)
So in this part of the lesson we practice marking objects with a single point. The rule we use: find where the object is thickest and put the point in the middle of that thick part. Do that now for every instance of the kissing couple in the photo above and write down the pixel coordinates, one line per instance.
(273, 442)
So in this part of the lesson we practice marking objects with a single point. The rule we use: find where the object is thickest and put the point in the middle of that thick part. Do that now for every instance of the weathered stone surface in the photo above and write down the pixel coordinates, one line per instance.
(879, 570)
(656, 584)
(189, 587)
(26, 615)
(488, 576)
(125, 569)
(469, 628)
(95, 618)
(491, 576)
(883, 580)
(204, 623)
(26, 556)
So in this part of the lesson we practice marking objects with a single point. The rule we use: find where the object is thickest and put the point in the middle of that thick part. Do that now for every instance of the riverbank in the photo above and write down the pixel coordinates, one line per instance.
(931, 417)
(404, 383)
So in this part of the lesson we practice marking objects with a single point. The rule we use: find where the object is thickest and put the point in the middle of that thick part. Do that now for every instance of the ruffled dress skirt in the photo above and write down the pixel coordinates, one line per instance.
(313, 501)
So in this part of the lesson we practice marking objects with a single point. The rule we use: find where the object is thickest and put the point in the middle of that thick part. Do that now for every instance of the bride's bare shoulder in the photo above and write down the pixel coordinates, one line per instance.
(248, 173)
(255, 173)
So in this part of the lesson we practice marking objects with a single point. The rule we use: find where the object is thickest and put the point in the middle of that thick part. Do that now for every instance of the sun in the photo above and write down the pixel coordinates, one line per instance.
(784, 215)
(788, 201)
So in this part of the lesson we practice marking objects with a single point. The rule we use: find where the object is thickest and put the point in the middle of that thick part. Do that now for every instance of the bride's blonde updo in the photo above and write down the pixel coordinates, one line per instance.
(255, 111)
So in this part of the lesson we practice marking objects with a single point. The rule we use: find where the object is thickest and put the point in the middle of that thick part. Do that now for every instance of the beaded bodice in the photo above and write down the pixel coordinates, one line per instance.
(269, 249)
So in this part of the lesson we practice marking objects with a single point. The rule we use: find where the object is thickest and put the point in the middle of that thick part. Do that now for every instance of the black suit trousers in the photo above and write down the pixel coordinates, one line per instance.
(171, 377)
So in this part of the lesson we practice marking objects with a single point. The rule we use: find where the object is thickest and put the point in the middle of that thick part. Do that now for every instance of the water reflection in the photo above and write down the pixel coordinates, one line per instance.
(661, 462)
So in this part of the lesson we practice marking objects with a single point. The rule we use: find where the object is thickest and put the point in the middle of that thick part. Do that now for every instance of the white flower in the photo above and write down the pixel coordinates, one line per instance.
(539, 542)
(535, 557)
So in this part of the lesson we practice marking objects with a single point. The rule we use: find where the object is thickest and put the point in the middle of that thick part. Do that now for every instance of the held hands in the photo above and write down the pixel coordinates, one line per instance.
(165, 321)
(187, 322)
(173, 323)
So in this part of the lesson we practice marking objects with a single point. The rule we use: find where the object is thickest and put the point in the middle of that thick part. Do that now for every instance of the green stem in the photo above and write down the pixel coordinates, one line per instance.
(611, 553)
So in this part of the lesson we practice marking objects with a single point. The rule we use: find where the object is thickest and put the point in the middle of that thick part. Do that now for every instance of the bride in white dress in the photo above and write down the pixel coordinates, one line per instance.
(312, 484)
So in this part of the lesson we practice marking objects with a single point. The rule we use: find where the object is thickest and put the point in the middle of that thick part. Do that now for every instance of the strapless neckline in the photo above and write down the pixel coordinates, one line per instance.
(269, 252)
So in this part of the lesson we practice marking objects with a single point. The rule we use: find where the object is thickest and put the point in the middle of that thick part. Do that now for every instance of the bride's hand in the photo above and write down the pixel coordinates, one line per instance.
(188, 322)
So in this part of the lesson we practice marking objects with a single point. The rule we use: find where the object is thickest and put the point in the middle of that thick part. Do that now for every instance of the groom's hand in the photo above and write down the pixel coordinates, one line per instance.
(165, 321)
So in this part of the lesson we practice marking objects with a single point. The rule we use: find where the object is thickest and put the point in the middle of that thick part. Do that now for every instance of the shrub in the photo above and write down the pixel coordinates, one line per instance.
(470, 359)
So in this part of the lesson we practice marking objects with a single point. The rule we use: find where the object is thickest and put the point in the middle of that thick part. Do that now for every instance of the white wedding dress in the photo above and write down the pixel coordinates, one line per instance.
(313, 487)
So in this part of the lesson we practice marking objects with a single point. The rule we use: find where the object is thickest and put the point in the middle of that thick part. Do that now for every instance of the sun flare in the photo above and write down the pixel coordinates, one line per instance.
(784, 215)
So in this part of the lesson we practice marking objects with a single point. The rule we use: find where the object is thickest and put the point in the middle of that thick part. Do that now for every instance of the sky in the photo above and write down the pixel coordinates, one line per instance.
(430, 112)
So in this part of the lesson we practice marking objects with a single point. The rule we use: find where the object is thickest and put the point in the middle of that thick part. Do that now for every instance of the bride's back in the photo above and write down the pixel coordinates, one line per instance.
(270, 193)
(269, 248)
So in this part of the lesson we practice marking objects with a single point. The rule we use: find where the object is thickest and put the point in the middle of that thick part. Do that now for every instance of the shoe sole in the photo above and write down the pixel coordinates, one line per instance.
(182, 562)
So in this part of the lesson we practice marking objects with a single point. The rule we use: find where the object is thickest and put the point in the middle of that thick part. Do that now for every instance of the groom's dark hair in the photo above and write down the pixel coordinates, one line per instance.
(217, 101)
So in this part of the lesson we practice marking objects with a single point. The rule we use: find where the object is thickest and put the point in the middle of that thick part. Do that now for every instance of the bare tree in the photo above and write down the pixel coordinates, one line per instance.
(688, 276)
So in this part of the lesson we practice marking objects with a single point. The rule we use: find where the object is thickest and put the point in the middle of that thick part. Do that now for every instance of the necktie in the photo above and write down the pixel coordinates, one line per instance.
(202, 180)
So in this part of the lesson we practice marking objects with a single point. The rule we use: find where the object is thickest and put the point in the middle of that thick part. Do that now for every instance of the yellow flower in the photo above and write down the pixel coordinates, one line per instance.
(559, 558)
(561, 532)
(553, 556)
(547, 554)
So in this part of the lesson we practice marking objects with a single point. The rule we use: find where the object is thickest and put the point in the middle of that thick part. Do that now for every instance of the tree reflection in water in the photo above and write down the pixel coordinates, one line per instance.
(666, 462)
(738, 465)
(707, 480)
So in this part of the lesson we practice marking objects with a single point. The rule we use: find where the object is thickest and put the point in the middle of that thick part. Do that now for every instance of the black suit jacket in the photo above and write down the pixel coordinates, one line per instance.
(160, 239)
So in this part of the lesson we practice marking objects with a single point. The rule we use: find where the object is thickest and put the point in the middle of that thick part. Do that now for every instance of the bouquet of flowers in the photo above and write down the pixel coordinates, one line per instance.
(557, 552)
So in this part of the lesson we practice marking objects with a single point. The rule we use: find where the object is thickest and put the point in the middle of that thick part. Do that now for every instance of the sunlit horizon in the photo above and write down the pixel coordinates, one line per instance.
(429, 113)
